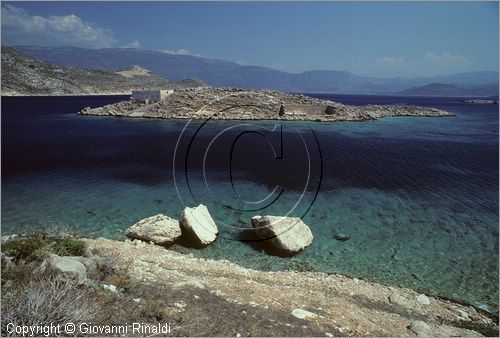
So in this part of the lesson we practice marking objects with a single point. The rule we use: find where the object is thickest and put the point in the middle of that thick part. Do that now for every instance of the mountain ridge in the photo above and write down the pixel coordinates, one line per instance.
(222, 73)
(444, 89)
(26, 75)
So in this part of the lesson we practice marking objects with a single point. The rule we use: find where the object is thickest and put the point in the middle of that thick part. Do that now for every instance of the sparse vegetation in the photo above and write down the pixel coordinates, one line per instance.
(487, 330)
(49, 299)
(38, 246)
(31, 296)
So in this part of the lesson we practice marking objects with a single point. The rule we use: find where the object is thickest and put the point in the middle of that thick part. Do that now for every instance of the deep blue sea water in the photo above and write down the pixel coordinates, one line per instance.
(417, 196)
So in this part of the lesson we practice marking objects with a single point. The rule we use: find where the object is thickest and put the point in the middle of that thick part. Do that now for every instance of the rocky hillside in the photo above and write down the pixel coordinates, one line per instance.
(24, 75)
(191, 83)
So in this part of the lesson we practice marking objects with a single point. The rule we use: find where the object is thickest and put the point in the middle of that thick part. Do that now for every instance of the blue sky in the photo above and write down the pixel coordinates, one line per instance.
(385, 39)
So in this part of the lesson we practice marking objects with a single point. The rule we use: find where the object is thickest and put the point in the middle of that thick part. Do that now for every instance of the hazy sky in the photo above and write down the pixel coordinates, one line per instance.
(385, 39)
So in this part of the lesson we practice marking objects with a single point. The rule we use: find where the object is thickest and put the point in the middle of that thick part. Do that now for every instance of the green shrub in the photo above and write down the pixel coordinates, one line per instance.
(27, 249)
(38, 246)
(69, 247)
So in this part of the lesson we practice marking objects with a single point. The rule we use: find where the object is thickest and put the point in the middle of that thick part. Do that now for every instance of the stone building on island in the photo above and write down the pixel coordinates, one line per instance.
(151, 96)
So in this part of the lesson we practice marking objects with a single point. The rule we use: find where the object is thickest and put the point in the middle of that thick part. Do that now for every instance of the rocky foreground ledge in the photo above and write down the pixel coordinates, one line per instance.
(112, 283)
(239, 104)
(314, 303)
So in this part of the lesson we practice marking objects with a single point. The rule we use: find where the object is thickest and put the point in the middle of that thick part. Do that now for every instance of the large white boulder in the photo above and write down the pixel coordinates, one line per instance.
(159, 229)
(286, 234)
(198, 225)
(66, 265)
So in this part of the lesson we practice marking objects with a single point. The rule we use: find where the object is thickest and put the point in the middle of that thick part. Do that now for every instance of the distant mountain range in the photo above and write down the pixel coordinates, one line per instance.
(222, 73)
(443, 89)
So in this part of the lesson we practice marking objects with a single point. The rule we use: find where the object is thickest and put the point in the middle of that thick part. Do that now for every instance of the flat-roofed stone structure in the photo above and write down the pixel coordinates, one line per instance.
(151, 95)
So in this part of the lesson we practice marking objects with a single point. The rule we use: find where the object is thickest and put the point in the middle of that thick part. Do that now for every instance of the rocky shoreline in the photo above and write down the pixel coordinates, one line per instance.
(135, 281)
(142, 280)
(328, 303)
(239, 104)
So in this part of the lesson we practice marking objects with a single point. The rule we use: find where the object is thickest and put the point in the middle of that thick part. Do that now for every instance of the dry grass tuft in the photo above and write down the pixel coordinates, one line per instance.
(49, 299)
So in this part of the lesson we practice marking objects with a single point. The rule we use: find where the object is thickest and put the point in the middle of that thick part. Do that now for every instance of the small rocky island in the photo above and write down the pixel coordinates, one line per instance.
(239, 104)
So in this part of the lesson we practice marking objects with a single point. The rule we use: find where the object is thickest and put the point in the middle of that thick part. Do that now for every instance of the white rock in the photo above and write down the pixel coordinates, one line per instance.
(138, 243)
(111, 288)
(91, 264)
(159, 229)
(328, 334)
(398, 299)
(463, 315)
(288, 234)
(180, 304)
(422, 329)
(199, 225)
(66, 265)
(7, 238)
(423, 299)
(303, 314)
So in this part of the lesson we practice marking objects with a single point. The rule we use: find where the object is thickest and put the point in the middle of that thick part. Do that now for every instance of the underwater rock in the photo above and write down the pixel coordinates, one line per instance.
(341, 237)
(287, 234)
(198, 225)
(159, 229)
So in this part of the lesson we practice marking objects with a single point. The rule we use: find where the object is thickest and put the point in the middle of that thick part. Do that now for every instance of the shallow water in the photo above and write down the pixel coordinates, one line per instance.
(417, 196)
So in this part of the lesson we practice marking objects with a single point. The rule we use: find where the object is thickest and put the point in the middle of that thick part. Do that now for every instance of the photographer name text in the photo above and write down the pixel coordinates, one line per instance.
(87, 329)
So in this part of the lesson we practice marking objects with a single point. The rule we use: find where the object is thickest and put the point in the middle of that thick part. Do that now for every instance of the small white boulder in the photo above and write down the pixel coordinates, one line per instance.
(110, 287)
(421, 329)
(159, 229)
(423, 299)
(199, 225)
(303, 314)
(288, 234)
(66, 265)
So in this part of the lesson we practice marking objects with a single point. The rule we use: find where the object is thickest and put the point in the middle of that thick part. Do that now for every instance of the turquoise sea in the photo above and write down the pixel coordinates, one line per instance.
(418, 197)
